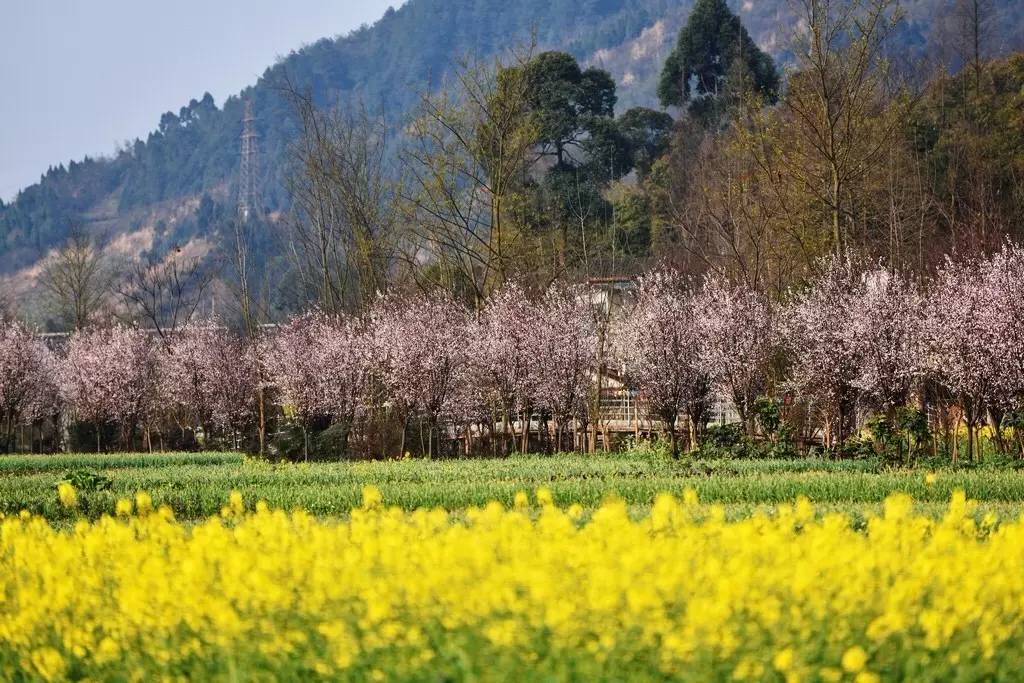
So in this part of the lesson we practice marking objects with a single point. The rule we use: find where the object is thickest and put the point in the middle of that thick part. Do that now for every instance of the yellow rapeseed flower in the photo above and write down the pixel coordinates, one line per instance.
(372, 497)
(544, 496)
(67, 494)
(690, 497)
(235, 503)
(678, 593)
(783, 660)
(854, 659)
(48, 663)
(143, 503)
(123, 507)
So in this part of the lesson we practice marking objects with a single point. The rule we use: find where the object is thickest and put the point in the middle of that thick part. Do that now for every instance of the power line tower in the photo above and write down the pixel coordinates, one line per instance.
(248, 194)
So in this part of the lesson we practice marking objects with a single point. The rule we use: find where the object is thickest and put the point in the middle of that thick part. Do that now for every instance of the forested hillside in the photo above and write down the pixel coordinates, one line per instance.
(154, 186)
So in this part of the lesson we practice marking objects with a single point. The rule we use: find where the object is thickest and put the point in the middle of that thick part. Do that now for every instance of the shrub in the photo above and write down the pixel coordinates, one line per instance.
(332, 443)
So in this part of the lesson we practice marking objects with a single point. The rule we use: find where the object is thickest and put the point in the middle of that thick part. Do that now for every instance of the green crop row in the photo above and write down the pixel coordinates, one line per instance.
(197, 485)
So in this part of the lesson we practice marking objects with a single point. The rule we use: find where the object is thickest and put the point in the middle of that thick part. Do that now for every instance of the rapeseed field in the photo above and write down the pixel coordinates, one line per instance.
(531, 591)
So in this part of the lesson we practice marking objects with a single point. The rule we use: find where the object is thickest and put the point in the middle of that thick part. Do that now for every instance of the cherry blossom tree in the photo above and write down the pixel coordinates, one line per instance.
(209, 378)
(566, 353)
(658, 344)
(109, 375)
(739, 341)
(974, 333)
(185, 384)
(886, 327)
(349, 361)
(1002, 283)
(423, 347)
(321, 364)
(816, 334)
(27, 381)
(503, 357)
(960, 339)
(294, 368)
(1005, 280)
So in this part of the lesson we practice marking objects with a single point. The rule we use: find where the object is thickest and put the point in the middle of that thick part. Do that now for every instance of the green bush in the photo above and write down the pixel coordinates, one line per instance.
(289, 444)
(332, 443)
(724, 436)
(648, 449)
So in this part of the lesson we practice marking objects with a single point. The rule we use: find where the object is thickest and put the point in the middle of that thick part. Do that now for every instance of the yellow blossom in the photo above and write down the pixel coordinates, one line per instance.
(855, 659)
(614, 593)
(143, 503)
(67, 494)
(235, 503)
(544, 497)
(783, 660)
(48, 663)
(372, 497)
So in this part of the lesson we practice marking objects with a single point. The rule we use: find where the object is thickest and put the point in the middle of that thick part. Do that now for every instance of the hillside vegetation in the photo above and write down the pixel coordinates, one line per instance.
(194, 151)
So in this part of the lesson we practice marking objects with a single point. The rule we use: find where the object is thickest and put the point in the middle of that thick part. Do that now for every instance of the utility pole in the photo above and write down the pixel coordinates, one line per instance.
(248, 194)
(249, 204)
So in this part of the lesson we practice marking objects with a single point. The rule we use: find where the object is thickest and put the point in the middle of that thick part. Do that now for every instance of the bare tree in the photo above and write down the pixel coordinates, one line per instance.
(247, 284)
(252, 307)
(343, 232)
(76, 279)
(837, 120)
(165, 292)
(974, 18)
(469, 148)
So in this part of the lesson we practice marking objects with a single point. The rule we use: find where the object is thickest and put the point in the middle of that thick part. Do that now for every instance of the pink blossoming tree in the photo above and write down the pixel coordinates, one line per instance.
(503, 357)
(739, 340)
(423, 346)
(322, 364)
(816, 334)
(973, 335)
(886, 328)
(27, 379)
(109, 375)
(566, 355)
(208, 378)
(658, 344)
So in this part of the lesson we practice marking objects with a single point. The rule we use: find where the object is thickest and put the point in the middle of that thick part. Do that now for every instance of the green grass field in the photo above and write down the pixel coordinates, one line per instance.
(196, 485)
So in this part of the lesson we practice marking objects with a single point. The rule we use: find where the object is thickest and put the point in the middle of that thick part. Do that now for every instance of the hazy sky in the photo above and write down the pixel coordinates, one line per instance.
(79, 76)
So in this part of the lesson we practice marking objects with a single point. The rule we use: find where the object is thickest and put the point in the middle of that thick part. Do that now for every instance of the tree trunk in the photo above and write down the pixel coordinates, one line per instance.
(526, 432)
(262, 422)
(405, 428)
(670, 427)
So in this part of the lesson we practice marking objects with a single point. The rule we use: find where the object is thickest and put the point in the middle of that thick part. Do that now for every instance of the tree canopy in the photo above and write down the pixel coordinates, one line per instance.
(715, 57)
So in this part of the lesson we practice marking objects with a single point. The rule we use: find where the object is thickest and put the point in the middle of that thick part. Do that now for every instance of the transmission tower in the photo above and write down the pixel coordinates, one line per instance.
(248, 194)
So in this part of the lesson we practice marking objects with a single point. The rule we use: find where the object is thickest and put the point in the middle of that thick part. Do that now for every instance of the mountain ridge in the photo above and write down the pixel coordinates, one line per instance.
(194, 152)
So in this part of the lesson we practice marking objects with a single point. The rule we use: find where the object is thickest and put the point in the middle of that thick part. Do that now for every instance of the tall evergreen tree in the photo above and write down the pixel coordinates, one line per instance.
(713, 58)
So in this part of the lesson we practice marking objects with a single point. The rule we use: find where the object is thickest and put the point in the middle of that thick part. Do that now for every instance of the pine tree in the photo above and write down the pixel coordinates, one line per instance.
(713, 49)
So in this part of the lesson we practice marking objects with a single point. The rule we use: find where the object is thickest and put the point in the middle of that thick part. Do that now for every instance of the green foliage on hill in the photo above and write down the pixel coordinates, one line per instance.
(387, 67)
